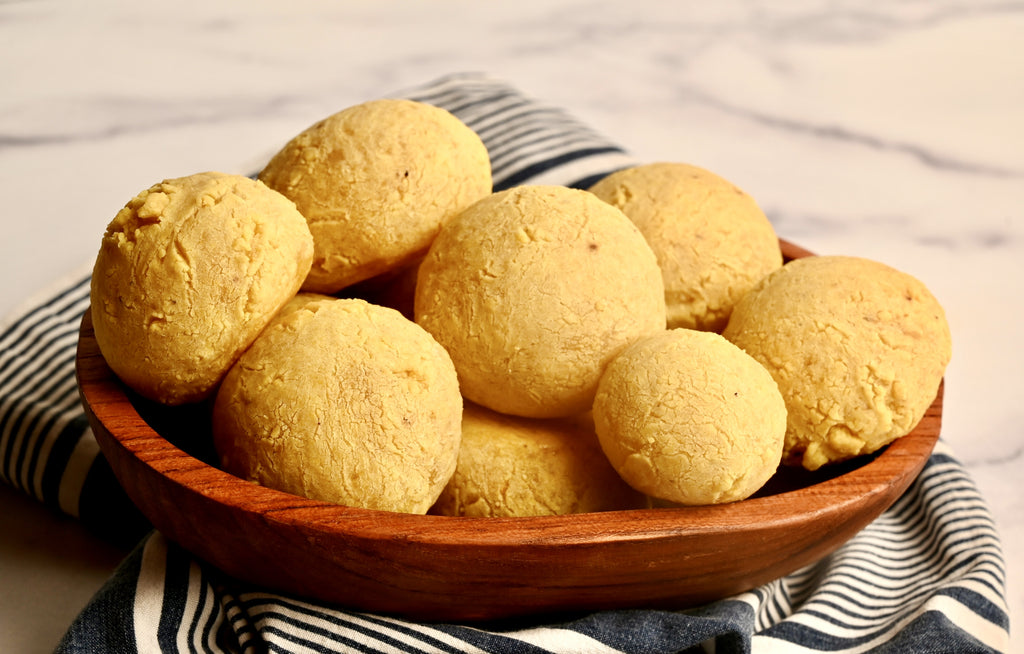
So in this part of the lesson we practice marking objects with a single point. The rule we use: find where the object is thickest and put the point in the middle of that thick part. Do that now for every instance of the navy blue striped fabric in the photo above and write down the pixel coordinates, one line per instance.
(41, 422)
(927, 576)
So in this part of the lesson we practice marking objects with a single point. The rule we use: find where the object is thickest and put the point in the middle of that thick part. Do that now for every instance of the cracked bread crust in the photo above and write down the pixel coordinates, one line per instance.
(514, 467)
(376, 181)
(857, 348)
(187, 274)
(712, 241)
(533, 290)
(342, 401)
(689, 418)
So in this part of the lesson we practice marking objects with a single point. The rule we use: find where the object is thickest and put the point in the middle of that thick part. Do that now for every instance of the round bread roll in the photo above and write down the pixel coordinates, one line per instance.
(375, 182)
(188, 273)
(857, 348)
(712, 241)
(342, 401)
(687, 417)
(513, 467)
(532, 291)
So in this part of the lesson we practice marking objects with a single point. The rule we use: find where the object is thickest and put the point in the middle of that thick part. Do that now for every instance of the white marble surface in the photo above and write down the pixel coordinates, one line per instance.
(891, 130)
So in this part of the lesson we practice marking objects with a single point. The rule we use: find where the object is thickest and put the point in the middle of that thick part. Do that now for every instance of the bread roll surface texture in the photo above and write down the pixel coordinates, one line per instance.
(532, 291)
(342, 401)
(857, 348)
(712, 240)
(188, 273)
(687, 417)
(376, 181)
(514, 467)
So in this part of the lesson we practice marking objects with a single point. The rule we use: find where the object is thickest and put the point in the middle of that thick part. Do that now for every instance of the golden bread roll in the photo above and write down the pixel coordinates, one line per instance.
(376, 181)
(532, 291)
(188, 273)
(689, 418)
(512, 467)
(857, 348)
(712, 241)
(342, 401)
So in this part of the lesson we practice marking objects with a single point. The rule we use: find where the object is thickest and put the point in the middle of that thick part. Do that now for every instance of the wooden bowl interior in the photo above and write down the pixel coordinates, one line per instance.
(467, 569)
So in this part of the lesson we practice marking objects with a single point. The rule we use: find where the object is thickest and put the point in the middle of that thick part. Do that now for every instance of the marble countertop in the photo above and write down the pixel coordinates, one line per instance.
(886, 130)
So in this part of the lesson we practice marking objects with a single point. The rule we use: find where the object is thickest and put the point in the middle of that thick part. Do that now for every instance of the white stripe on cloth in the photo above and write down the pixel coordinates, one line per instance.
(291, 625)
(893, 571)
(561, 640)
(867, 596)
(193, 601)
(60, 414)
(149, 596)
(992, 636)
(433, 634)
(30, 343)
(75, 473)
(37, 350)
(238, 622)
(45, 378)
(418, 640)
(766, 602)
(37, 361)
(203, 616)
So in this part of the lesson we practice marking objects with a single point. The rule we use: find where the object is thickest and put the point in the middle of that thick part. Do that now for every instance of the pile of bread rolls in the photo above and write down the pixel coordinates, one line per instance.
(372, 325)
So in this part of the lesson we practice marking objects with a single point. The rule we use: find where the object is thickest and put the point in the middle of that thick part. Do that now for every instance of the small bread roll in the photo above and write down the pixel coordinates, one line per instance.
(342, 401)
(712, 241)
(689, 418)
(375, 182)
(857, 348)
(513, 467)
(188, 273)
(532, 291)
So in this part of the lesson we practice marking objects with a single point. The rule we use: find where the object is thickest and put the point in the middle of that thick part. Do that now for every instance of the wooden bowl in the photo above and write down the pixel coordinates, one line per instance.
(470, 569)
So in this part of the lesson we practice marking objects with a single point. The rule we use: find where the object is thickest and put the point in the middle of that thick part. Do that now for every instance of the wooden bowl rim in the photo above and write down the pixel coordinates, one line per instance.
(107, 398)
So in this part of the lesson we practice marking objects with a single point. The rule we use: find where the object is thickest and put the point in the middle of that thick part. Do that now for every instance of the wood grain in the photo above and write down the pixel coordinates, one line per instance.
(469, 569)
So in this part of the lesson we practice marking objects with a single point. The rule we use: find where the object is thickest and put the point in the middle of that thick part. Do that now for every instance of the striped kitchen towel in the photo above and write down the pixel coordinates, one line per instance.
(926, 576)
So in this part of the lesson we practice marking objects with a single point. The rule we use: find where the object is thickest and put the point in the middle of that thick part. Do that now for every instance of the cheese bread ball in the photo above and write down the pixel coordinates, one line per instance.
(857, 348)
(375, 182)
(342, 401)
(512, 467)
(532, 291)
(689, 418)
(188, 273)
(712, 241)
